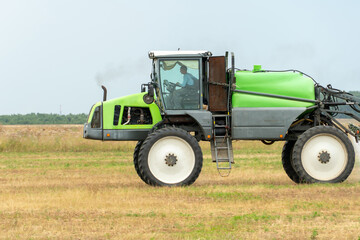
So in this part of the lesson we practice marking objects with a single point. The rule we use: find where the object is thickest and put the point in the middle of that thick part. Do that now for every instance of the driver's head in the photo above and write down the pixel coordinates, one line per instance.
(183, 69)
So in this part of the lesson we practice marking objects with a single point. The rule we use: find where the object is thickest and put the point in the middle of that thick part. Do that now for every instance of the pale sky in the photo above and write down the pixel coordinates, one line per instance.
(53, 51)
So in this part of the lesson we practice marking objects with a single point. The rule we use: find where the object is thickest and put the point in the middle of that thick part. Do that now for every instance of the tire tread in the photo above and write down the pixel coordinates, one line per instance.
(136, 160)
(286, 160)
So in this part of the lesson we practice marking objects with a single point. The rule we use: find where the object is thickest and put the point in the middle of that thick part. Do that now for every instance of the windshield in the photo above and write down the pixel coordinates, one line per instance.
(179, 82)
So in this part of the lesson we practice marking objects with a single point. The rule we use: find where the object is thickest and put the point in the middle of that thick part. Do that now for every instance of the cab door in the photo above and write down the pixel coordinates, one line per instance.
(180, 83)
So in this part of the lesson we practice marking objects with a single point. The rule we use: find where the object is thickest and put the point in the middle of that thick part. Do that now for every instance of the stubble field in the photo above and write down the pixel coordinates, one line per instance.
(56, 185)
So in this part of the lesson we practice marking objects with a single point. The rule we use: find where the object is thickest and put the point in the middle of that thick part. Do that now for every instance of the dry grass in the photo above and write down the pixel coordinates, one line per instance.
(53, 138)
(54, 184)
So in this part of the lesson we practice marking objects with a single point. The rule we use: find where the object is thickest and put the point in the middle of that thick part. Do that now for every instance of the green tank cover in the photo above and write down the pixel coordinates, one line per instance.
(290, 84)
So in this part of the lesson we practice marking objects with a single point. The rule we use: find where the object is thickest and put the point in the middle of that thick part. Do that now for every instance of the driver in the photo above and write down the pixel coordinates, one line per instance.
(186, 85)
(188, 79)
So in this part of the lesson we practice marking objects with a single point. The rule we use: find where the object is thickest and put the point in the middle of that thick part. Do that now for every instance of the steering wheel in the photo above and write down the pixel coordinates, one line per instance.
(170, 86)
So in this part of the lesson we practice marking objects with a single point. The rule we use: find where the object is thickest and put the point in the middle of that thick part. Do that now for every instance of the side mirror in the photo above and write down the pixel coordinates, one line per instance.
(149, 97)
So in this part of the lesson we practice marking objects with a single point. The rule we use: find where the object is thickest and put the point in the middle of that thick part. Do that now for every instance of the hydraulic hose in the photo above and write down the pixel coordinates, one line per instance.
(290, 70)
(128, 116)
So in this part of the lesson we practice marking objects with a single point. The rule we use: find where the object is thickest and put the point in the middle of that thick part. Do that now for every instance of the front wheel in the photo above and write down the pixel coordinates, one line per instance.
(170, 157)
(323, 154)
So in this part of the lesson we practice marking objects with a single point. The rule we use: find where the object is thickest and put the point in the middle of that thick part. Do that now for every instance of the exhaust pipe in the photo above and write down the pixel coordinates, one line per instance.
(105, 92)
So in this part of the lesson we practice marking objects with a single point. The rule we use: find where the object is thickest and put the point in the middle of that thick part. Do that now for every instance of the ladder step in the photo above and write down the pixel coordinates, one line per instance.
(224, 168)
(221, 147)
(223, 161)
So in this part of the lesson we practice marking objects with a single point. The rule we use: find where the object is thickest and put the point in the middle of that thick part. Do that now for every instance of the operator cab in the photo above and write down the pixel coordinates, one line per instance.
(179, 78)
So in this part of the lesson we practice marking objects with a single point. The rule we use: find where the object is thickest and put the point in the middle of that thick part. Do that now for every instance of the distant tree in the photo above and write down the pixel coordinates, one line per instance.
(347, 108)
(355, 93)
(42, 118)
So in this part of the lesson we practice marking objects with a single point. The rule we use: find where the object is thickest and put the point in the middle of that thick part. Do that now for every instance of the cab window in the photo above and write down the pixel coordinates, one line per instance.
(179, 82)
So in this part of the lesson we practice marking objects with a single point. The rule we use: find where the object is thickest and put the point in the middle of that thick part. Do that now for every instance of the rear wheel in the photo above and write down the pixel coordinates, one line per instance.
(286, 157)
(170, 157)
(323, 154)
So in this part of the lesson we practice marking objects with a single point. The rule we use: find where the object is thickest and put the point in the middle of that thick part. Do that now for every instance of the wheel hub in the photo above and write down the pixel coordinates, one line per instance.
(170, 160)
(324, 157)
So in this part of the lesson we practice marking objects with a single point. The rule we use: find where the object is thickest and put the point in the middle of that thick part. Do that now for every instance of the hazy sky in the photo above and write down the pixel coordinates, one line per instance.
(53, 51)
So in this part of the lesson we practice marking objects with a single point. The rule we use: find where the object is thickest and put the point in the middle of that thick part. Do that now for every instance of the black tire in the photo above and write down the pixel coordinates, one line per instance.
(323, 154)
(286, 157)
(170, 157)
(136, 159)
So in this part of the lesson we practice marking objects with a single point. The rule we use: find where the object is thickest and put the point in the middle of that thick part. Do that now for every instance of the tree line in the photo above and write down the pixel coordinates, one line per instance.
(347, 108)
(42, 118)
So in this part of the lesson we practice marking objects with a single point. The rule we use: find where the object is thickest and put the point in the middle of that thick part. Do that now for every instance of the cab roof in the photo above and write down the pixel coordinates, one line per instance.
(158, 54)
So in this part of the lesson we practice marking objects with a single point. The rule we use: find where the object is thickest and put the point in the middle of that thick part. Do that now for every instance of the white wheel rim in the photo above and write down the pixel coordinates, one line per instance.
(174, 146)
(328, 144)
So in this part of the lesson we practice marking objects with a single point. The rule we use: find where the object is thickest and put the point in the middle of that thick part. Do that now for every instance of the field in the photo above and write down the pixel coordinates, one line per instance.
(56, 185)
